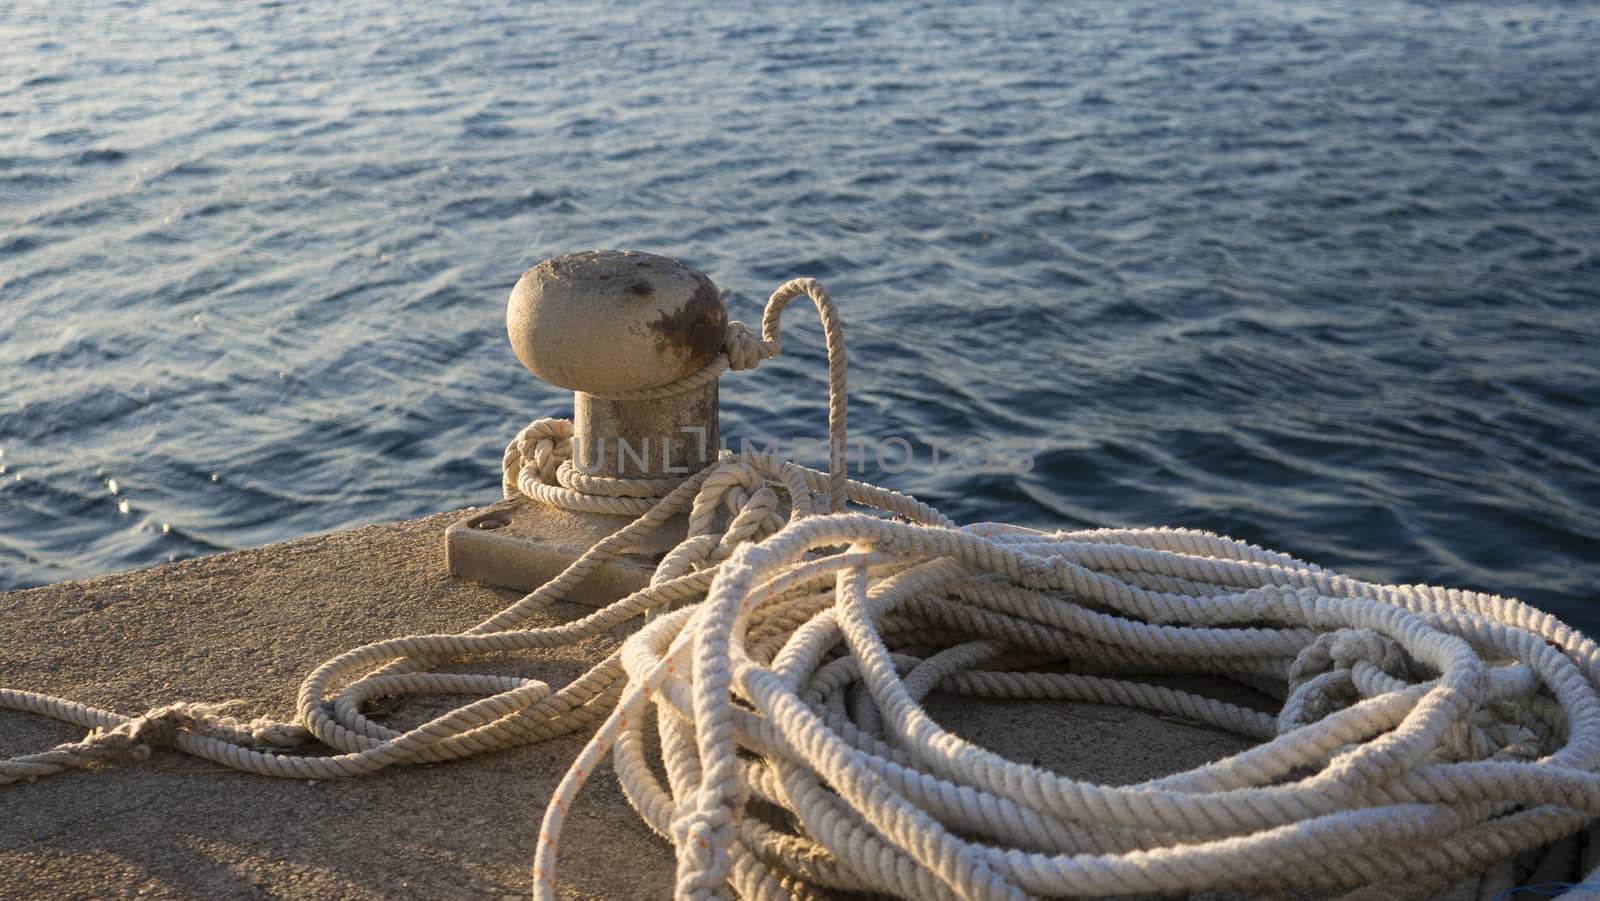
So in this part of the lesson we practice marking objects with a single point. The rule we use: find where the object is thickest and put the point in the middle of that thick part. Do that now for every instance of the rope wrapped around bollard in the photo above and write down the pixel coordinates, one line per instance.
(1429, 739)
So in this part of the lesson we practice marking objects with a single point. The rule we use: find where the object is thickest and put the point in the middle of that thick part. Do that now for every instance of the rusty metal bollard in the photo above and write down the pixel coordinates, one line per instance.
(610, 325)
(613, 326)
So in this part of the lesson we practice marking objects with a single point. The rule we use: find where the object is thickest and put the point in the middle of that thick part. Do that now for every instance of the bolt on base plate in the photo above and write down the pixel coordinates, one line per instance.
(521, 544)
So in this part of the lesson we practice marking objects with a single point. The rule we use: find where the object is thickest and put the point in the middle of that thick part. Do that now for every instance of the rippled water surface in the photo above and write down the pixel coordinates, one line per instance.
(1324, 276)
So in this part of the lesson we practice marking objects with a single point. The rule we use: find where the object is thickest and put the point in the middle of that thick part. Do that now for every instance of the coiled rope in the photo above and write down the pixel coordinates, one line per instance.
(1430, 740)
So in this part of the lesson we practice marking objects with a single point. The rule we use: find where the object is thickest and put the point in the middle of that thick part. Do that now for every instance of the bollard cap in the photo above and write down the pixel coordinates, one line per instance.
(610, 321)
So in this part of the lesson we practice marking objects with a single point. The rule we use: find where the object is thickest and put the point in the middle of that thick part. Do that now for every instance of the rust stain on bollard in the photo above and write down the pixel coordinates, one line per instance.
(698, 327)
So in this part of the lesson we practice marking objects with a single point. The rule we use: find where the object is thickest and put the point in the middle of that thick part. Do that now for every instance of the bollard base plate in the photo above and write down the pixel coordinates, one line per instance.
(521, 544)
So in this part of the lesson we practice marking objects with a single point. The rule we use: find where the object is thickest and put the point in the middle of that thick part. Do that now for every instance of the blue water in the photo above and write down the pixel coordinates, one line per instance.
(1323, 276)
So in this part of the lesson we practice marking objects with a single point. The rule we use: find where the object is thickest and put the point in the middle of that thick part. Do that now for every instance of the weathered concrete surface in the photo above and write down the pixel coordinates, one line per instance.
(249, 625)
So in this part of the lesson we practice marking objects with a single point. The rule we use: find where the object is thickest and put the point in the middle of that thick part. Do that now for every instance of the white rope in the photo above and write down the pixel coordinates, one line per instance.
(1428, 737)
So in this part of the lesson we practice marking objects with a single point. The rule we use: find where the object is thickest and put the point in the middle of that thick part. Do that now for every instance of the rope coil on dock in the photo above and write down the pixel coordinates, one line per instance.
(1429, 740)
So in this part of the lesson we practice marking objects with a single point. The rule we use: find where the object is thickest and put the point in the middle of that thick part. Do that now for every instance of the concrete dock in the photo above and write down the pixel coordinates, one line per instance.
(248, 625)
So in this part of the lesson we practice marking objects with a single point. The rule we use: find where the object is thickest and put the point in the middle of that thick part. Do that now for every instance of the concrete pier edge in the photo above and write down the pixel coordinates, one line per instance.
(249, 625)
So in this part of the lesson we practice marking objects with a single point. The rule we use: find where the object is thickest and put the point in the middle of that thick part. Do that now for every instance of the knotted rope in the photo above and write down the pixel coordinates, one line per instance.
(1429, 739)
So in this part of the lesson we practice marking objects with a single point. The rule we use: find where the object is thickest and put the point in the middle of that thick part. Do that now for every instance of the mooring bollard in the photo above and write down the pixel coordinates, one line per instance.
(616, 327)
(622, 330)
